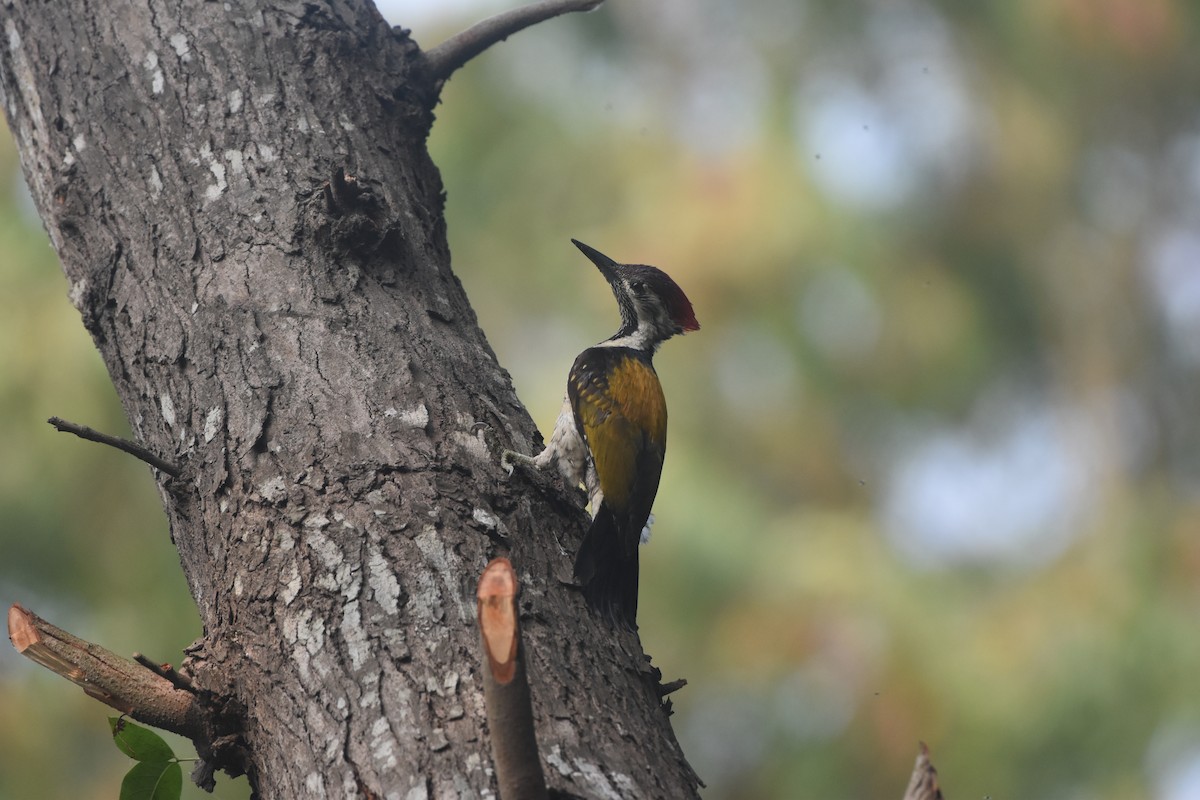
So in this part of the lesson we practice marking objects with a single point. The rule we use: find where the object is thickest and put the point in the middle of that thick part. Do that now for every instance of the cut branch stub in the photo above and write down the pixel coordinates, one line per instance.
(498, 618)
(923, 785)
(505, 687)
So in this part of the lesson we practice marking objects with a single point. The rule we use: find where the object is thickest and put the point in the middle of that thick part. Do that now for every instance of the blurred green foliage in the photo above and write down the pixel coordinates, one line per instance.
(934, 465)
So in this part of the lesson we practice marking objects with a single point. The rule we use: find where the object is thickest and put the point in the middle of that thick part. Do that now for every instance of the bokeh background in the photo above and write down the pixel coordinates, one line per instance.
(935, 454)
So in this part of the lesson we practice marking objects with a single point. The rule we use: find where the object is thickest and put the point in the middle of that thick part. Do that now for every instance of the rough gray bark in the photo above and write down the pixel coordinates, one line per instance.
(299, 346)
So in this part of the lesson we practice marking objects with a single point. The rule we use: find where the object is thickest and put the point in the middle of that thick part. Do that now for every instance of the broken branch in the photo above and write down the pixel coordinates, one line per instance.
(118, 682)
(133, 448)
(443, 60)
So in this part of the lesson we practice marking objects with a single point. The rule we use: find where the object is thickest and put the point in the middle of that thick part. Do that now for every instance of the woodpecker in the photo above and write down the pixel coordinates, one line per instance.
(611, 434)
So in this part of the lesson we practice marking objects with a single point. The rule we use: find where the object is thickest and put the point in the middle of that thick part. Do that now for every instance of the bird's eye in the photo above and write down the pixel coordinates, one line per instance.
(638, 287)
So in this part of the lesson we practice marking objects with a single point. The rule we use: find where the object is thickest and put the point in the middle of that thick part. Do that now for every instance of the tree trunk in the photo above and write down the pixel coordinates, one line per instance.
(297, 343)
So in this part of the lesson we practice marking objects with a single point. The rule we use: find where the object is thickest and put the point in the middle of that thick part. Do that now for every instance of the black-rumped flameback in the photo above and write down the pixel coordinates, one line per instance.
(611, 434)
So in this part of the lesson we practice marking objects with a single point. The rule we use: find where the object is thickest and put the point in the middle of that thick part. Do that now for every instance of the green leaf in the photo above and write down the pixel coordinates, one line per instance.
(140, 744)
(153, 780)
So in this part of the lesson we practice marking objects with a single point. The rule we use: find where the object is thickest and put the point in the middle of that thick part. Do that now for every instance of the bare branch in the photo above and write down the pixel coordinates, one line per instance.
(923, 785)
(133, 448)
(443, 60)
(102, 674)
(505, 688)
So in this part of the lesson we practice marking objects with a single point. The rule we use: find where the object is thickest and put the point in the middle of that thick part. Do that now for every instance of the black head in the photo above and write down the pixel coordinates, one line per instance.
(653, 307)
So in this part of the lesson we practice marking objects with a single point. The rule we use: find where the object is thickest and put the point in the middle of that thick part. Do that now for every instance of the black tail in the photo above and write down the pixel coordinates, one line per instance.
(607, 567)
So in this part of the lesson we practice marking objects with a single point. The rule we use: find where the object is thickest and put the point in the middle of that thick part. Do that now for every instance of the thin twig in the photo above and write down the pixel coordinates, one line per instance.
(133, 448)
(441, 61)
(166, 671)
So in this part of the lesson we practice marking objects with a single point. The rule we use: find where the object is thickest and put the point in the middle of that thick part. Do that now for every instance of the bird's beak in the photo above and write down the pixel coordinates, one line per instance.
(605, 264)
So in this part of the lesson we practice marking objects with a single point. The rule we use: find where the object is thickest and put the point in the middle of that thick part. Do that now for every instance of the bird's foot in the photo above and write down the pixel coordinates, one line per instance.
(510, 458)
